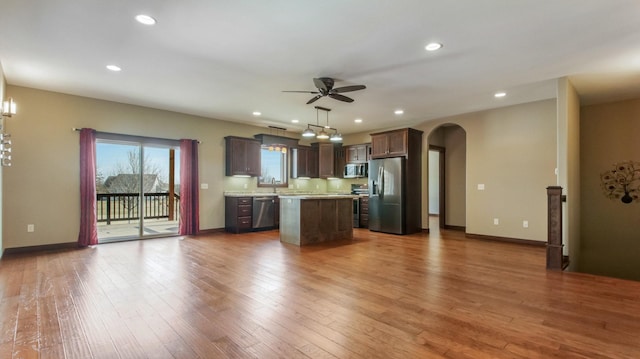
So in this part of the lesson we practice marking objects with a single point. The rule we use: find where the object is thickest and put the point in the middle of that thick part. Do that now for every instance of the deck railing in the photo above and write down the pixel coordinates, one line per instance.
(125, 206)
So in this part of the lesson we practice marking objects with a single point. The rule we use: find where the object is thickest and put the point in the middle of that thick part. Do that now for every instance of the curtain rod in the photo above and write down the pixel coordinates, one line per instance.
(119, 134)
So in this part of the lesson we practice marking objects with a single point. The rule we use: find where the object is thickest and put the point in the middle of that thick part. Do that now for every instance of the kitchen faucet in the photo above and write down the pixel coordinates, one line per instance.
(273, 183)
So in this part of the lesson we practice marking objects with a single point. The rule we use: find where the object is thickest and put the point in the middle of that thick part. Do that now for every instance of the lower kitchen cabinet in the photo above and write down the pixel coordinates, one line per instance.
(255, 213)
(237, 214)
(364, 212)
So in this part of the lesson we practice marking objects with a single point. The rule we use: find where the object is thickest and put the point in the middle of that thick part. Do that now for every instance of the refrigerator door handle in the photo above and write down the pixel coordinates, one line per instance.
(381, 181)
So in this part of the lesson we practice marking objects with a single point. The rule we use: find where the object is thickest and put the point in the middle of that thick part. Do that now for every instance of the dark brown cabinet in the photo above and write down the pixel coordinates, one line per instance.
(326, 167)
(364, 212)
(276, 214)
(237, 216)
(390, 144)
(339, 160)
(304, 162)
(242, 156)
(357, 153)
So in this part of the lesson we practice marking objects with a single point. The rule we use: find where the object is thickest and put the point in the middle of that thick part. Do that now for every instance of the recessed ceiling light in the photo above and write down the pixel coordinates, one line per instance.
(398, 112)
(433, 46)
(145, 19)
(500, 94)
(257, 113)
(358, 120)
(295, 120)
(114, 68)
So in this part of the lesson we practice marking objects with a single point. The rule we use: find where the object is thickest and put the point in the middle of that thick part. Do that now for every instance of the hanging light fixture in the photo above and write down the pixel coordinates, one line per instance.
(8, 107)
(323, 134)
(273, 146)
(308, 132)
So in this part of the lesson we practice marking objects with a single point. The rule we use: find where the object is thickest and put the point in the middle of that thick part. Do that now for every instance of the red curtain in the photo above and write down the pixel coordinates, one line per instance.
(189, 194)
(88, 220)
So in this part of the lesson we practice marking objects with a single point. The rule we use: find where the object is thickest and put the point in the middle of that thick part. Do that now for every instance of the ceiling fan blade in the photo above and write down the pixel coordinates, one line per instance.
(349, 88)
(311, 92)
(315, 98)
(340, 97)
(324, 84)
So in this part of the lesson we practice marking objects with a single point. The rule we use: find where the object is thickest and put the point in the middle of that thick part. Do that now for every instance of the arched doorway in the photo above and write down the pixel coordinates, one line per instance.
(447, 176)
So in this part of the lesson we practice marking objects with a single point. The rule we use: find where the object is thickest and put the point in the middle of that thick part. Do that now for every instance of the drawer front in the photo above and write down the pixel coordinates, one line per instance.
(364, 220)
(244, 210)
(244, 222)
(364, 205)
(244, 201)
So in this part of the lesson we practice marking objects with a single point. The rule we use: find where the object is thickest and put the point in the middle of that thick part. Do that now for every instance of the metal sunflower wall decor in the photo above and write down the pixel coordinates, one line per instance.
(622, 182)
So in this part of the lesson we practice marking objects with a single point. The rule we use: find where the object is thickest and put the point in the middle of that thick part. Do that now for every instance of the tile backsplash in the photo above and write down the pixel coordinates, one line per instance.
(313, 185)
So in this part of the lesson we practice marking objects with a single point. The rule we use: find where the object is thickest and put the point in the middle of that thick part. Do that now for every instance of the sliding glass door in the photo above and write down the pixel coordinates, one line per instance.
(138, 189)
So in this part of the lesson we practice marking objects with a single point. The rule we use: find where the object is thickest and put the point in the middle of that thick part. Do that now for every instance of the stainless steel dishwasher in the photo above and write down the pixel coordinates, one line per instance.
(263, 212)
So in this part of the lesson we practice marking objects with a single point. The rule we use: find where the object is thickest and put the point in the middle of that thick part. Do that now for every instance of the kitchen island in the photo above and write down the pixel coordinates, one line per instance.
(309, 219)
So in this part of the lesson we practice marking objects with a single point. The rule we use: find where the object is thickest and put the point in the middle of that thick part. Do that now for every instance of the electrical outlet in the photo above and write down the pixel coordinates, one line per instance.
(525, 224)
(245, 186)
(31, 228)
(496, 221)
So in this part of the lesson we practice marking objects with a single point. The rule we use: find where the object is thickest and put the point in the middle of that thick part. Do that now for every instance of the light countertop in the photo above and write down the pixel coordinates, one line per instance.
(318, 196)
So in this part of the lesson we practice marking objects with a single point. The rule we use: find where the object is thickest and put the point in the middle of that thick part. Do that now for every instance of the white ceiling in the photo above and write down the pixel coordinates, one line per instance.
(227, 58)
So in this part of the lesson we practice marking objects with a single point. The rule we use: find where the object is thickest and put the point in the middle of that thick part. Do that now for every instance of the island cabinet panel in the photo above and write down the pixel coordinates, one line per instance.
(242, 156)
(314, 220)
(238, 212)
(390, 144)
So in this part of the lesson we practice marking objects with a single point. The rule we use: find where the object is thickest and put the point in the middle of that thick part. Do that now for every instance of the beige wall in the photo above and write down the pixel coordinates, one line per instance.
(453, 139)
(2, 91)
(569, 167)
(610, 229)
(42, 186)
(512, 151)
(455, 143)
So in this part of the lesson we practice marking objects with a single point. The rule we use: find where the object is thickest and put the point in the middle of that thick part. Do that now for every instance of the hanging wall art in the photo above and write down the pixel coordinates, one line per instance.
(622, 182)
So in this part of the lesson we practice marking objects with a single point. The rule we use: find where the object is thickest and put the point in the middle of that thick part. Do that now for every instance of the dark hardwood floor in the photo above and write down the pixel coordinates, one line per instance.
(249, 296)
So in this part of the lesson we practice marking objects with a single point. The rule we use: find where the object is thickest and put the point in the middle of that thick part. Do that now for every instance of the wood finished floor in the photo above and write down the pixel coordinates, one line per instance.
(249, 296)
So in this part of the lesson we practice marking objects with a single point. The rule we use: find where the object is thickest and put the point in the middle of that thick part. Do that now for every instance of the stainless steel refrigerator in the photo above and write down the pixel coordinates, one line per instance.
(387, 182)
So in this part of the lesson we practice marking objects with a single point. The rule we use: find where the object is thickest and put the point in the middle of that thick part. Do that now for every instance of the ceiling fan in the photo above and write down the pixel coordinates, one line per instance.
(325, 88)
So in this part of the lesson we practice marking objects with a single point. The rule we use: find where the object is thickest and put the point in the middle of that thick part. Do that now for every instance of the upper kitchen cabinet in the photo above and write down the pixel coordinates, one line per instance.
(395, 143)
(326, 159)
(242, 156)
(304, 162)
(357, 153)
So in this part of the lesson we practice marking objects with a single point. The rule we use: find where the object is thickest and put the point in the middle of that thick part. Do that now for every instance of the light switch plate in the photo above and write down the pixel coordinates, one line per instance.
(204, 186)
(480, 186)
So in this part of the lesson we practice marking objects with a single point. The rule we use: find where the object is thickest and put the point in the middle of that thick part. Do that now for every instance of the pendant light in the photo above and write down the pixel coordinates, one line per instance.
(323, 134)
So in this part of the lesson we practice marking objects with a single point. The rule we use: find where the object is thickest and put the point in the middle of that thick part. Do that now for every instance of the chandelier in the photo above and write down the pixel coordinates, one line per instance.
(322, 135)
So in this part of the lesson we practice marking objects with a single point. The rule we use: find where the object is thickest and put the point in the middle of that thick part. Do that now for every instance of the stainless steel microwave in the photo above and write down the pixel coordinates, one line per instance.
(356, 170)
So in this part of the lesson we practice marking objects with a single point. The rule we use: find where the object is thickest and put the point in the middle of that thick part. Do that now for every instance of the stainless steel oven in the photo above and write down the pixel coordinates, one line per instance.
(358, 189)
